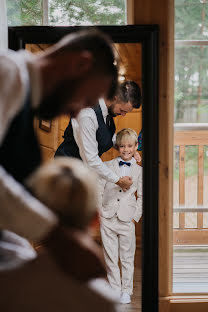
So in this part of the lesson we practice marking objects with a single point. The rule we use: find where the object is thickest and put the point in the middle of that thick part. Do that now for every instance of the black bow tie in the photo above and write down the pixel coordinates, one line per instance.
(121, 163)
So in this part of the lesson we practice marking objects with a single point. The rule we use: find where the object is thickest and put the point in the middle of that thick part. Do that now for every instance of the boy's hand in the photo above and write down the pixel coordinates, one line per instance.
(125, 183)
(134, 221)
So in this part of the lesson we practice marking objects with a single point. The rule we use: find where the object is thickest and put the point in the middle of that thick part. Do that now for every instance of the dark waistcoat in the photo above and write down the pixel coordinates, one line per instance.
(104, 136)
(19, 151)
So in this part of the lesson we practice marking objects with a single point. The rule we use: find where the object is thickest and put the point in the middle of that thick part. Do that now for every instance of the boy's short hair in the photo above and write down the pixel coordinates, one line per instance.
(126, 134)
(68, 188)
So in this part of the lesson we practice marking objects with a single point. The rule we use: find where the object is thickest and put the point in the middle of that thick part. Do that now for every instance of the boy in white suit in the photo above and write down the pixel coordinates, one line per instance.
(119, 212)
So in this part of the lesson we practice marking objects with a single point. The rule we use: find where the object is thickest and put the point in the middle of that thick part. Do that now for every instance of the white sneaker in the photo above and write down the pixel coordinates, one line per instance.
(125, 298)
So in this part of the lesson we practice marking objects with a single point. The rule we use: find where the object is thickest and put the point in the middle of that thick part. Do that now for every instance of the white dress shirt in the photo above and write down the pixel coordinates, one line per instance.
(84, 129)
(125, 170)
(20, 212)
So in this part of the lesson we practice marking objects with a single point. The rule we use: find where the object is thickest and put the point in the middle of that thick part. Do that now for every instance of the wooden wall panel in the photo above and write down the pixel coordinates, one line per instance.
(161, 12)
(49, 141)
(130, 61)
(47, 153)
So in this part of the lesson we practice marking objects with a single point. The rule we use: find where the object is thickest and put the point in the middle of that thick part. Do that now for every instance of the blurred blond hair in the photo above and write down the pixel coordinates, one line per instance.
(68, 188)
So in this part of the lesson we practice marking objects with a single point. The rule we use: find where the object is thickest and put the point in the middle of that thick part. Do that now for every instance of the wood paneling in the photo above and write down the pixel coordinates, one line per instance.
(37, 48)
(49, 141)
(195, 137)
(130, 60)
(190, 237)
(161, 12)
(183, 303)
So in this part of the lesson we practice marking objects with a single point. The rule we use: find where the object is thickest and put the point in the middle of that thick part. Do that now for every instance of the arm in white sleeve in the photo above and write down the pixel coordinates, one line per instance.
(88, 148)
(101, 187)
(22, 213)
(19, 211)
(138, 212)
(13, 85)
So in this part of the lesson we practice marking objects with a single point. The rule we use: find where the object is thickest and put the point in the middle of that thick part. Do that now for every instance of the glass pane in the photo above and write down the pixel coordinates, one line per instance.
(191, 220)
(191, 172)
(190, 265)
(175, 220)
(176, 187)
(190, 250)
(205, 220)
(190, 238)
(91, 12)
(191, 76)
(191, 18)
(24, 12)
(190, 269)
(205, 193)
(176, 177)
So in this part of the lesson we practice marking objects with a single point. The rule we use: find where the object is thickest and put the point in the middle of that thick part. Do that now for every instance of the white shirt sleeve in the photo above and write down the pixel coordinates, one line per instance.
(20, 212)
(138, 212)
(84, 129)
(13, 85)
(101, 183)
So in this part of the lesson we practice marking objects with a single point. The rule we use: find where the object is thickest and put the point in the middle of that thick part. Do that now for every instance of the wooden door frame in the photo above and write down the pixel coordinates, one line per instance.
(147, 35)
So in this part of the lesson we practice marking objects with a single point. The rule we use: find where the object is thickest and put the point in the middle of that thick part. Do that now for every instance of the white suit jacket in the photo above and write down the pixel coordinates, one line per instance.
(114, 201)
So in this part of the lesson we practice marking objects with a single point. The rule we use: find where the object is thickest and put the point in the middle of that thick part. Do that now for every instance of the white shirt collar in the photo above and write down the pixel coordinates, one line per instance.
(104, 108)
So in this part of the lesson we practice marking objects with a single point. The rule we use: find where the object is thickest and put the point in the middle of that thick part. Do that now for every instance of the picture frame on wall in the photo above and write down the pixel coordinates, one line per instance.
(45, 125)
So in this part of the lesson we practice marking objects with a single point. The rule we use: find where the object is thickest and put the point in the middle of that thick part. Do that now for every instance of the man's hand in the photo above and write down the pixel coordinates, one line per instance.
(137, 157)
(125, 183)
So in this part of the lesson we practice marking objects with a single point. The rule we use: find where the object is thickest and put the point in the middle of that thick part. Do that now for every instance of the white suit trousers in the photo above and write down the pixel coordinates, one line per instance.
(119, 242)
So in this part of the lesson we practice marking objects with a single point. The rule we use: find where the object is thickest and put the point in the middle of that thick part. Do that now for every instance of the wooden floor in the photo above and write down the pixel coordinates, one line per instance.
(190, 269)
(135, 305)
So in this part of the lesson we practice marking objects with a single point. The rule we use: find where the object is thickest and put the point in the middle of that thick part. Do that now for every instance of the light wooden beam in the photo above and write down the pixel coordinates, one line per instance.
(161, 12)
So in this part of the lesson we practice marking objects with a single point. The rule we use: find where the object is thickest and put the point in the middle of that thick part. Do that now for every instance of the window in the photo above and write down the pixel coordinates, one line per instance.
(190, 222)
(66, 12)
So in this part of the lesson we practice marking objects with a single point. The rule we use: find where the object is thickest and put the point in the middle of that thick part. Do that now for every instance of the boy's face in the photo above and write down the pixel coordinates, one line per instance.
(127, 148)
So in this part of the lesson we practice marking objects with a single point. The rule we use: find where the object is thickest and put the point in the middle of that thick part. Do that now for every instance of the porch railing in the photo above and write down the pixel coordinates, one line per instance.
(191, 135)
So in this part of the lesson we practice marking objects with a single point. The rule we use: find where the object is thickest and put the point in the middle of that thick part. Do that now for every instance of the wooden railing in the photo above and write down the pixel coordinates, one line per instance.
(191, 135)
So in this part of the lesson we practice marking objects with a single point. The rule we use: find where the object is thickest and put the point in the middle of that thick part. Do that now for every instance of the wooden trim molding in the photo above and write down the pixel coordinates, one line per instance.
(161, 12)
(130, 16)
(183, 303)
(190, 237)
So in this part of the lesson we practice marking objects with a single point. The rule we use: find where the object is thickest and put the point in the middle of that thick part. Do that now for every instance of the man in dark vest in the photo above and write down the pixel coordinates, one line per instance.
(64, 79)
(92, 133)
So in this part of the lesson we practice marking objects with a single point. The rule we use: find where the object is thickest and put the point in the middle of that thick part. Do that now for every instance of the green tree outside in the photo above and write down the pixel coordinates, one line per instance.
(191, 75)
(67, 12)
